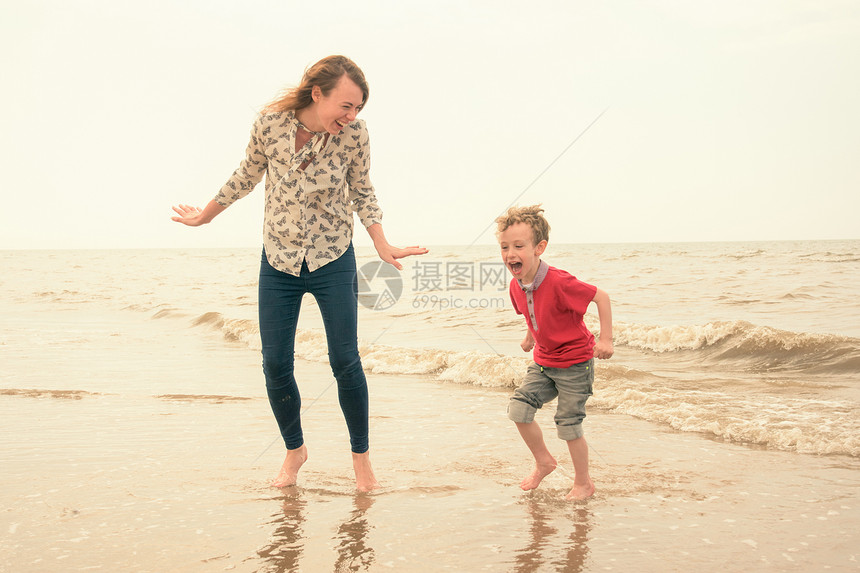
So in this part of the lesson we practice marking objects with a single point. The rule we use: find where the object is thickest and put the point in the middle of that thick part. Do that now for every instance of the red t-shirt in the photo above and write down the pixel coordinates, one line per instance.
(559, 302)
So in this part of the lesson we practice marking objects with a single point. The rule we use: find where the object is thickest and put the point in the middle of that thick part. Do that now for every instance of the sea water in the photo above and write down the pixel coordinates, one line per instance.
(754, 343)
(136, 432)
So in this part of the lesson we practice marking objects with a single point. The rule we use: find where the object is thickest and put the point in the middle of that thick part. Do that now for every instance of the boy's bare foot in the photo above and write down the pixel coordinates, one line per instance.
(292, 464)
(364, 478)
(541, 470)
(580, 492)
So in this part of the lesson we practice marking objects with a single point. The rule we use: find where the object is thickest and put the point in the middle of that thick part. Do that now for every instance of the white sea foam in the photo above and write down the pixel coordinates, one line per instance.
(804, 425)
(791, 424)
(673, 338)
(756, 343)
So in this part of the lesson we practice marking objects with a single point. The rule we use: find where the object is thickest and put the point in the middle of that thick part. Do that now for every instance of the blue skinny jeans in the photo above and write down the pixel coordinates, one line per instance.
(335, 288)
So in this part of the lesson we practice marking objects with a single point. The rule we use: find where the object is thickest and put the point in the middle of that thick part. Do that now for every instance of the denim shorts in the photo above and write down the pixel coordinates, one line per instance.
(572, 385)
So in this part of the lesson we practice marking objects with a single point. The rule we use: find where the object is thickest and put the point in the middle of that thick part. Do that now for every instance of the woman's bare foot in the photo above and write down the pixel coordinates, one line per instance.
(580, 492)
(541, 470)
(292, 464)
(364, 478)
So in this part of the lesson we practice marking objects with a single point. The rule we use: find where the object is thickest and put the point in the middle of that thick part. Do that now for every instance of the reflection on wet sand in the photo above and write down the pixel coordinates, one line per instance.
(284, 553)
(543, 549)
(353, 553)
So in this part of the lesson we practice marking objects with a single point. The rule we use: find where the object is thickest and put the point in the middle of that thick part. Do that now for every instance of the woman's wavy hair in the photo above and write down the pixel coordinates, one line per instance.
(325, 74)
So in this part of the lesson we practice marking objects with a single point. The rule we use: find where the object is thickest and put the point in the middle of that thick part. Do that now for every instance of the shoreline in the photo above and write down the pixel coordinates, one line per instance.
(168, 483)
(132, 442)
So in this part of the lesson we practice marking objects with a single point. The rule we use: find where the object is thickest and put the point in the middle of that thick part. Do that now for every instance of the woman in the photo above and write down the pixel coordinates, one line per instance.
(316, 158)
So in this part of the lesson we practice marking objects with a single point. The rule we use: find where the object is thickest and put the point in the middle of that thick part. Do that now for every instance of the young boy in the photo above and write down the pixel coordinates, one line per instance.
(554, 303)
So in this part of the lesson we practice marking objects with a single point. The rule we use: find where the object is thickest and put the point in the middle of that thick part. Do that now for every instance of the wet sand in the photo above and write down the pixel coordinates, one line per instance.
(154, 453)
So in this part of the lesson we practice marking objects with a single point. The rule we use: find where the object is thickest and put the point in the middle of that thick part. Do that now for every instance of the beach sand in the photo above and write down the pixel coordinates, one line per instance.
(154, 452)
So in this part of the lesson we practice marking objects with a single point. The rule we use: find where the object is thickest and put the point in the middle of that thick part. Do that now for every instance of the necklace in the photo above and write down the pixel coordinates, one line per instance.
(303, 126)
(312, 132)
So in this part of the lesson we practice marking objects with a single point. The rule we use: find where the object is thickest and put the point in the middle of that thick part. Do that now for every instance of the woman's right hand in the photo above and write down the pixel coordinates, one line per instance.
(194, 217)
(188, 215)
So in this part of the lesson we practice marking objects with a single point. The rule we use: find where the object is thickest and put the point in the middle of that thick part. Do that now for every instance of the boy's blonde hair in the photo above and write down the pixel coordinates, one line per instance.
(531, 216)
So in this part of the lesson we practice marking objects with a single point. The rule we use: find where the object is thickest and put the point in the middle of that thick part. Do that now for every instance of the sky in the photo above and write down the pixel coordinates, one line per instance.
(630, 120)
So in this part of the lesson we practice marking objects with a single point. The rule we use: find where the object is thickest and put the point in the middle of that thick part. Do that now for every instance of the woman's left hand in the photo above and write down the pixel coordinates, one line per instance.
(390, 254)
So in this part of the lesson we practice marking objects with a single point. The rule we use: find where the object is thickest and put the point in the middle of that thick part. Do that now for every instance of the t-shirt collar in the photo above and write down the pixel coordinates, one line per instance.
(543, 267)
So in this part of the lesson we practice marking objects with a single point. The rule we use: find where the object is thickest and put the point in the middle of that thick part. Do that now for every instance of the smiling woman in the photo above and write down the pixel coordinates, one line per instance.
(329, 98)
(315, 155)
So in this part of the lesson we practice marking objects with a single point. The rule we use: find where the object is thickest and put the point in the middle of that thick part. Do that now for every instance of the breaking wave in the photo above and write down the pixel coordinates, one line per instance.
(759, 415)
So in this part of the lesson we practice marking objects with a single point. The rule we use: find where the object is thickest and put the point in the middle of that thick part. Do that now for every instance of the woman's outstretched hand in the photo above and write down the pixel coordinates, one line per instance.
(188, 215)
(390, 254)
(194, 216)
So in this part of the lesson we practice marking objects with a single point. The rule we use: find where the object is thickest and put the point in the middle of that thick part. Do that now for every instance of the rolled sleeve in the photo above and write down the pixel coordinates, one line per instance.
(250, 171)
(362, 197)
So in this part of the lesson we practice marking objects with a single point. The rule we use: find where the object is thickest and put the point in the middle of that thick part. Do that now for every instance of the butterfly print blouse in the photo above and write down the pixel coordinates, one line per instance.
(310, 194)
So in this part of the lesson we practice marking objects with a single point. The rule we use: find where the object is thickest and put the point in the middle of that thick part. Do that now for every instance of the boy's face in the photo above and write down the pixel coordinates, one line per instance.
(520, 254)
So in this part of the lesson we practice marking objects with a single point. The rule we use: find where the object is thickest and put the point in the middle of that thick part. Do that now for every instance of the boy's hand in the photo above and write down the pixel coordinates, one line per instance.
(603, 350)
(528, 342)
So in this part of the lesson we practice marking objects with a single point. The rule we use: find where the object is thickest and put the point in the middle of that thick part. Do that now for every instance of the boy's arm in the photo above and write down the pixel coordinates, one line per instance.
(528, 342)
(603, 349)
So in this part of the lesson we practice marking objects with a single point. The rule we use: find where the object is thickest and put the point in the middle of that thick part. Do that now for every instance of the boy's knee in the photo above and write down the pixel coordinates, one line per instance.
(521, 412)
(569, 432)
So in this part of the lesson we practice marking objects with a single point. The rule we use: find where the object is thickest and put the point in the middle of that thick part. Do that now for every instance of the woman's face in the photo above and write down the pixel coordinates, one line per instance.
(340, 106)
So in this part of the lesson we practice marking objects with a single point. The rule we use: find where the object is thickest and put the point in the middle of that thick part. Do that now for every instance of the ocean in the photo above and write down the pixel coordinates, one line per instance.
(137, 433)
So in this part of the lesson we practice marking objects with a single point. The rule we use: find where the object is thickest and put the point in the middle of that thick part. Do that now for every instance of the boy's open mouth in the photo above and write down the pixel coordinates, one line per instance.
(515, 267)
